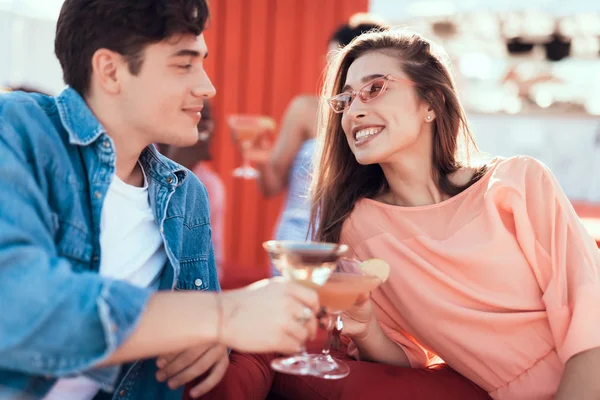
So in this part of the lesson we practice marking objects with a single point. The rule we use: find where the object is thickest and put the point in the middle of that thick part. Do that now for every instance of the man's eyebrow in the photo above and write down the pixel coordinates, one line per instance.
(364, 79)
(189, 53)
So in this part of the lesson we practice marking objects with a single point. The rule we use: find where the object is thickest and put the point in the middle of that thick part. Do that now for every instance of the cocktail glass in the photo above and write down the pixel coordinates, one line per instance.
(338, 294)
(309, 264)
(245, 130)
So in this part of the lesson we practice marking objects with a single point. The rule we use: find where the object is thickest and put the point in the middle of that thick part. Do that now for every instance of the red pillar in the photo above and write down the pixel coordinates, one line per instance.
(262, 53)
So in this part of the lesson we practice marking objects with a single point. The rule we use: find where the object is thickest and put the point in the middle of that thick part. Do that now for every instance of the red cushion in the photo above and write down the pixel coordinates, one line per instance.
(250, 377)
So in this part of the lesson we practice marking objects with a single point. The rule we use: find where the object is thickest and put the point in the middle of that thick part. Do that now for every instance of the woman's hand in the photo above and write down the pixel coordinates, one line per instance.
(360, 325)
(360, 320)
(260, 151)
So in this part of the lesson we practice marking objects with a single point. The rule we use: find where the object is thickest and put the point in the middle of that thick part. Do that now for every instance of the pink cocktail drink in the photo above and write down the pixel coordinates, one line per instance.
(246, 129)
(339, 293)
(342, 290)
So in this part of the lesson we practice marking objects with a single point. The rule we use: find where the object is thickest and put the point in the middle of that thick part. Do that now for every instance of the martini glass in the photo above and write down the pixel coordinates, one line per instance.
(245, 130)
(309, 264)
(338, 294)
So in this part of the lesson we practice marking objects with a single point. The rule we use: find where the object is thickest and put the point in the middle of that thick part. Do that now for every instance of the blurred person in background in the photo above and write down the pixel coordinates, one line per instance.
(286, 163)
(24, 88)
(108, 281)
(491, 247)
(196, 158)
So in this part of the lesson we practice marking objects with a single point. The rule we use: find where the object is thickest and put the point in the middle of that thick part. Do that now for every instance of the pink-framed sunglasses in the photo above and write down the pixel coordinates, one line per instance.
(369, 91)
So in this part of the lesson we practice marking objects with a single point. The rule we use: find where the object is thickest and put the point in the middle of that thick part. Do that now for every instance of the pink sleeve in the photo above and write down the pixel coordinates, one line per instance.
(564, 257)
(417, 356)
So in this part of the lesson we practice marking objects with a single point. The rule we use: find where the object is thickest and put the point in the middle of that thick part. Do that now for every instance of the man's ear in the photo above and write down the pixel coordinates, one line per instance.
(106, 67)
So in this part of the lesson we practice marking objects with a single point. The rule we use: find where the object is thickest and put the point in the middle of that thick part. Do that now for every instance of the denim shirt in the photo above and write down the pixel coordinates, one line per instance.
(58, 316)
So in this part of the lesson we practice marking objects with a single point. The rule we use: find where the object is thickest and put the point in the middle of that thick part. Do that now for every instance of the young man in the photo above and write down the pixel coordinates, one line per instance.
(97, 228)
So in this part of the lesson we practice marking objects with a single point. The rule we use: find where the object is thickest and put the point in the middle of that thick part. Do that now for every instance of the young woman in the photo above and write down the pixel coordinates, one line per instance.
(491, 268)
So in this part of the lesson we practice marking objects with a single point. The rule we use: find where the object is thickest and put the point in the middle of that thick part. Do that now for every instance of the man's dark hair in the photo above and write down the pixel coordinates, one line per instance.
(122, 26)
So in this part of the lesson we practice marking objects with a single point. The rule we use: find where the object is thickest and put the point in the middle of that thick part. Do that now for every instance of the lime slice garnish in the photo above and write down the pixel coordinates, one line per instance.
(377, 267)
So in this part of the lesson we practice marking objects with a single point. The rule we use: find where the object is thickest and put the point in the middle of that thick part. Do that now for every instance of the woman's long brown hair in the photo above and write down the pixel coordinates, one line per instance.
(339, 181)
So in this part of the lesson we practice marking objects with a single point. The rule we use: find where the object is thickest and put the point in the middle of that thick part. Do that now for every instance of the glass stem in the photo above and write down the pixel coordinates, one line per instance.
(303, 352)
(245, 146)
(327, 344)
(332, 328)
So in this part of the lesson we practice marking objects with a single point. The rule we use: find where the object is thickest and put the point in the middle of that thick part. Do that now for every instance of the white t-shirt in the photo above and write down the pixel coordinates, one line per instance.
(132, 250)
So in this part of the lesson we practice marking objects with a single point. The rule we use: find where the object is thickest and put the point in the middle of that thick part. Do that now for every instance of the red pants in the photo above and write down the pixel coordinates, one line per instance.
(250, 377)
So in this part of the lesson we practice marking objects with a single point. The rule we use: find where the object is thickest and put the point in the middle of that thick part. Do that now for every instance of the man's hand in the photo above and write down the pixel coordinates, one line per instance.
(272, 315)
(181, 368)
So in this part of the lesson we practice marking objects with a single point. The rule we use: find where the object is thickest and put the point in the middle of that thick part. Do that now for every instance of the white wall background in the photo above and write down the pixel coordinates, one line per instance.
(396, 10)
(27, 52)
(568, 145)
(27, 30)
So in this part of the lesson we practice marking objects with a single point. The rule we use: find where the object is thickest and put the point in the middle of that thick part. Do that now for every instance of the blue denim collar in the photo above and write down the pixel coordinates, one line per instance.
(84, 128)
(160, 167)
(77, 118)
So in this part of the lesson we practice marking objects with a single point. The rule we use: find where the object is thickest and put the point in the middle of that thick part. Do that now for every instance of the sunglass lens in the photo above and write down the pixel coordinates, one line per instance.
(372, 89)
(340, 103)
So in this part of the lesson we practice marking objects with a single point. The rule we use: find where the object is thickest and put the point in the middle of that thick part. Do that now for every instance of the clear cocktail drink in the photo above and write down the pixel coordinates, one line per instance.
(310, 264)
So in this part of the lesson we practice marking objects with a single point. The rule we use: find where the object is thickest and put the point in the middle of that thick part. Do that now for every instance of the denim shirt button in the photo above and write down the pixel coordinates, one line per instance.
(169, 179)
(106, 144)
(123, 393)
(198, 282)
(97, 195)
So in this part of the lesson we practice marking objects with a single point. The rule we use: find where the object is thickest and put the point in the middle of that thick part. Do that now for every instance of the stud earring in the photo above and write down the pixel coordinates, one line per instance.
(428, 118)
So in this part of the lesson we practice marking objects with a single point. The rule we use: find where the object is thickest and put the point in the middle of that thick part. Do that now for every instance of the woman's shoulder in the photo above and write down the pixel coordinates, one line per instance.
(517, 174)
(516, 171)
(499, 167)
(519, 171)
(521, 162)
(305, 103)
(304, 109)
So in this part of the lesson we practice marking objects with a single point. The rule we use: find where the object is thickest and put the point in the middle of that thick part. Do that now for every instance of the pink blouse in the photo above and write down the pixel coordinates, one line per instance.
(501, 281)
